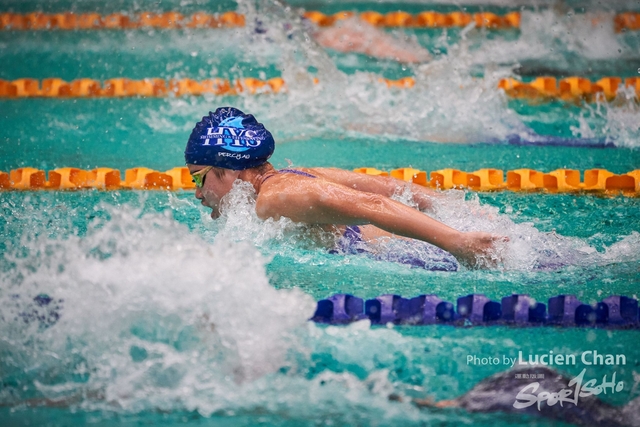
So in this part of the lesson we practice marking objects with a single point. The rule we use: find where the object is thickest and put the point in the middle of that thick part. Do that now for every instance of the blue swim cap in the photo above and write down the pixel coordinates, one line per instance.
(229, 139)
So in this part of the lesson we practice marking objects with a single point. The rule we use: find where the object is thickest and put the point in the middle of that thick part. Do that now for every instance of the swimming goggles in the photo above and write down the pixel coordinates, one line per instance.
(199, 176)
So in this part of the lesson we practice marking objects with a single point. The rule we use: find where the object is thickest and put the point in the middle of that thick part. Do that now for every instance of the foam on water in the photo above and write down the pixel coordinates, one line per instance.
(528, 248)
(145, 304)
(570, 42)
(448, 103)
(557, 37)
(455, 98)
(146, 316)
(617, 122)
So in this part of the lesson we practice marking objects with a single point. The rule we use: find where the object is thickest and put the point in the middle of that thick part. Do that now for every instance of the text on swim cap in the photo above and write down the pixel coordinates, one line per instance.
(236, 156)
(238, 137)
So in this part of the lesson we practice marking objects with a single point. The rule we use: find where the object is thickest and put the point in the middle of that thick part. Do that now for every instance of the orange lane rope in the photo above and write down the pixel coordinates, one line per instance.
(527, 180)
(569, 89)
(427, 19)
(174, 20)
(123, 87)
(120, 21)
(557, 181)
(572, 89)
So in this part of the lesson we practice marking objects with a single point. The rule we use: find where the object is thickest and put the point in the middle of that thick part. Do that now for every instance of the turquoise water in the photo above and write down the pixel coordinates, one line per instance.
(170, 318)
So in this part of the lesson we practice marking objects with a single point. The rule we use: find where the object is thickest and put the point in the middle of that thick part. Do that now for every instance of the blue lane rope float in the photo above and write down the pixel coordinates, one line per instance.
(476, 309)
(614, 312)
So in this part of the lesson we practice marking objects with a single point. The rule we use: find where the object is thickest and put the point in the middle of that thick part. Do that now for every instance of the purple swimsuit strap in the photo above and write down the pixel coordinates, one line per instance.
(297, 172)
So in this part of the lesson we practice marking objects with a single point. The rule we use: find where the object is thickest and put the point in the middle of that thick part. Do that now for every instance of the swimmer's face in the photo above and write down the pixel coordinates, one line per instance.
(213, 188)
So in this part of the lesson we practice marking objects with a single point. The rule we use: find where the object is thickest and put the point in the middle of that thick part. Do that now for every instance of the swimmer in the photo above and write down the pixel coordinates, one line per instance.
(498, 394)
(228, 145)
(355, 35)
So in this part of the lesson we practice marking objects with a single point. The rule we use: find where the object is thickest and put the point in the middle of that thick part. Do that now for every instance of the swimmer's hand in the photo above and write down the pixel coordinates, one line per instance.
(476, 249)
(426, 402)
(430, 403)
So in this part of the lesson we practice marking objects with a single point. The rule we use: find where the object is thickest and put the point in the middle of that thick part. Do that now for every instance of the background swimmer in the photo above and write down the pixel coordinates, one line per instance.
(498, 393)
(351, 35)
(356, 35)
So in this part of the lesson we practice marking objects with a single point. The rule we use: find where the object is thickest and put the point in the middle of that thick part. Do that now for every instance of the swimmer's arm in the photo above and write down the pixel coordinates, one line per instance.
(384, 185)
(322, 202)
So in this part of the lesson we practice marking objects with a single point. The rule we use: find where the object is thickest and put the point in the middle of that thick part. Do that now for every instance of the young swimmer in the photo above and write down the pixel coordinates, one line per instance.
(355, 35)
(498, 394)
(228, 145)
(352, 35)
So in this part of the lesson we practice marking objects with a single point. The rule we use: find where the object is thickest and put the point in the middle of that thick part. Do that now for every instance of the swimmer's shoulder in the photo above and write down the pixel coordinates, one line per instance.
(329, 174)
(286, 180)
(283, 189)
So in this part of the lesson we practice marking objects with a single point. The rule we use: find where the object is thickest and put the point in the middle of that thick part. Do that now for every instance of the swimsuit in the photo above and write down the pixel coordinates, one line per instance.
(297, 172)
(413, 253)
(409, 252)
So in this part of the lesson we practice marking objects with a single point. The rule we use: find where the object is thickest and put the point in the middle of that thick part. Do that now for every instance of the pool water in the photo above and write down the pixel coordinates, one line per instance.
(167, 317)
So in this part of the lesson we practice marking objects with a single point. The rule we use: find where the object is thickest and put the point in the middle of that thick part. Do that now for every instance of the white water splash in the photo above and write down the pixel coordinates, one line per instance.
(617, 122)
(148, 306)
(553, 36)
(446, 105)
(528, 248)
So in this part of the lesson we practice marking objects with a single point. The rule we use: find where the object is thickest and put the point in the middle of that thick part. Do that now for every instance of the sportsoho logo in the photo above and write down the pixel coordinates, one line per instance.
(233, 138)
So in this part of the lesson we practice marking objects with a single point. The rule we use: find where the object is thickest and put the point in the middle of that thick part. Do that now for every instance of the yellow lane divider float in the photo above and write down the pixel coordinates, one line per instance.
(427, 19)
(569, 89)
(174, 20)
(548, 88)
(123, 87)
(558, 181)
(94, 21)
(572, 89)
(100, 178)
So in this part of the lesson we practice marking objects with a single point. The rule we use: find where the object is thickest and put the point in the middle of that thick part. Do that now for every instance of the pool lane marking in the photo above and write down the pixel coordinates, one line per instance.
(573, 89)
(598, 181)
(624, 21)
